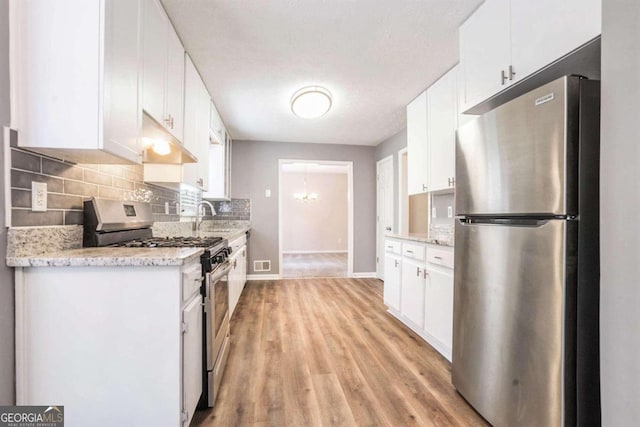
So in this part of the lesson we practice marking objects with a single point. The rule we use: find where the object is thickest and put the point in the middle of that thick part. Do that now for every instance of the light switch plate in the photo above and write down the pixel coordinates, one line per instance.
(433, 213)
(267, 193)
(38, 196)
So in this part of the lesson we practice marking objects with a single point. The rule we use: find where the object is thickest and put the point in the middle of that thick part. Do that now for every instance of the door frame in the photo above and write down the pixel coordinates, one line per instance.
(380, 256)
(401, 197)
(349, 167)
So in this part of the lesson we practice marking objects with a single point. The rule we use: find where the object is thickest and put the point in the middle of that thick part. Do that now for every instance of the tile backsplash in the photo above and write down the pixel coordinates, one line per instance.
(234, 209)
(68, 184)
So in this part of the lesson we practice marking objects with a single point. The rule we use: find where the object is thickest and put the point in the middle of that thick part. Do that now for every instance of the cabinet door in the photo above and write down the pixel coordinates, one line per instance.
(192, 356)
(196, 126)
(234, 283)
(438, 316)
(174, 97)
(441, 124)
(392, 277)
(217, 171)
(122, 113)
(545, 30)
(417, 174)
(154, 48)
(485, 50)
(412, 292)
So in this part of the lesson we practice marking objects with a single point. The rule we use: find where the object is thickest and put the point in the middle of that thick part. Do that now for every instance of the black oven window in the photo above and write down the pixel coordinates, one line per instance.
(129, 210)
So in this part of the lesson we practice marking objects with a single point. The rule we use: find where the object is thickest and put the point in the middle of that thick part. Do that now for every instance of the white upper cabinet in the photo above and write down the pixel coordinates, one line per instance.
(196, 127)
(485, 51)
(219, 158)
(75, 87)
(545, 30)
(417, 171)
(163, 70)
(505, 41)
(442, 122)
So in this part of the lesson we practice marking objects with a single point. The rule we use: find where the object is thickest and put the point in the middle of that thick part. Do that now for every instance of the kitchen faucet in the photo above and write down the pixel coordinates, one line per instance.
(200, 217)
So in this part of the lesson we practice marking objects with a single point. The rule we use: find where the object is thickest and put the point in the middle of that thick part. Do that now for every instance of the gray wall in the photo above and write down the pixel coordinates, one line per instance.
(619, 205)
(255, 169)
(388, 147)
(7, 341)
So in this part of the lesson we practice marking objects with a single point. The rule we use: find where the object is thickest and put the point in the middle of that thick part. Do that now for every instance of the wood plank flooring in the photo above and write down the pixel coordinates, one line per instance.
(314, 265)
(316, 352)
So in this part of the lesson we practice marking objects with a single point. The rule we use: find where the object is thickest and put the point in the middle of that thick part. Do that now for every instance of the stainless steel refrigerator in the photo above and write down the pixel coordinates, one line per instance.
(525, 340)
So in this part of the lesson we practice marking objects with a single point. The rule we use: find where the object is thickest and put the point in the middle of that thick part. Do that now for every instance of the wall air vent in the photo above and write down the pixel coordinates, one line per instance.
(262, 265)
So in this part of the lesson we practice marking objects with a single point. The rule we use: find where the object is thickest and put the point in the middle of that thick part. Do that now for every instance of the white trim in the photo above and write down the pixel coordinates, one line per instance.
(349, 171)
(380, 256)
(401, 170)
(338, 251)
(6, 147)
(368, 275)
(252, 277)
(22, 351)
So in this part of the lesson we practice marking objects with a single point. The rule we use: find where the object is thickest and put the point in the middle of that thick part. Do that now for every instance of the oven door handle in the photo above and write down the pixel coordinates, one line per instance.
(220, 272)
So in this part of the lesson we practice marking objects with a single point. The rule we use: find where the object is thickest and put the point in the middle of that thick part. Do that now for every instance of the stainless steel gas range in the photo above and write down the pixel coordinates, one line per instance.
(128, 224)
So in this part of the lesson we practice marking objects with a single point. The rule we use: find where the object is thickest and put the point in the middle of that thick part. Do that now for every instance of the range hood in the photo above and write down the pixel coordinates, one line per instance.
(155, 136)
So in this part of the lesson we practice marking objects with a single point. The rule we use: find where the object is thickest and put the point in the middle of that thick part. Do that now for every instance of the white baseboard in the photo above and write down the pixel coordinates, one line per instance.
(263, 277)
(314, 252)
(369, 275)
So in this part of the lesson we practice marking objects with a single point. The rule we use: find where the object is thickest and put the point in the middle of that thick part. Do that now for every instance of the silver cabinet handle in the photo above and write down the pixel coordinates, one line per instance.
(408, 251)
(438, 257)
(511, 72)
(388, 228)
(389, 247)
(424, 188)
(417, 271)
(425, 273)
(396, 263)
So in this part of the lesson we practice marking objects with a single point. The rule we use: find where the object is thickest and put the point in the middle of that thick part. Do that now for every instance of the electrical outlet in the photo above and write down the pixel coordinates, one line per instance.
(433, 213)
(267, 193)
(450, 211)
(38, 196)
(166, 208)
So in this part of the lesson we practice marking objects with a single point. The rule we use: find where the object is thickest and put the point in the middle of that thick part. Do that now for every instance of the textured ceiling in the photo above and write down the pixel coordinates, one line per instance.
(373, 55)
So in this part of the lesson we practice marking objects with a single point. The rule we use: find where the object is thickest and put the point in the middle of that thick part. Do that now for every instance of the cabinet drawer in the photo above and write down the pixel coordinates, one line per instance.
(393, 246)
(238, 243)
(440, 257)
(414, 251)
(191, 280)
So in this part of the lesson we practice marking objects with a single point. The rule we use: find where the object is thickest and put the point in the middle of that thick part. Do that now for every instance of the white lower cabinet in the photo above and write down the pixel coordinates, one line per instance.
(418, 289)
(438, 312)
(412, 291)
(238, 273)
(191, 357)
(99, 338)
(392, 278)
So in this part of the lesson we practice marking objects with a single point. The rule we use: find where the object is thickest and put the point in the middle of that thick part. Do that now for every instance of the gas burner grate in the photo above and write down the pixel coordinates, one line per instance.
(171, 242)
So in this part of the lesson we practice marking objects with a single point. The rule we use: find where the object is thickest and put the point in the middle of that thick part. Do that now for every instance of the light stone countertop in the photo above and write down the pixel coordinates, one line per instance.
(419, 237)
(109, 257)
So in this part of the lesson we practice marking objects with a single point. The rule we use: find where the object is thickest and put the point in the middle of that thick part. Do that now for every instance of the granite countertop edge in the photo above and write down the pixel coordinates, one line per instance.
(110, 257)
(423, 238)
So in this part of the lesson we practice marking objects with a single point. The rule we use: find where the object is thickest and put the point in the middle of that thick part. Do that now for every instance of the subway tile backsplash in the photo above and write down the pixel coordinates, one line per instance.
(234, 209)
(69, 184)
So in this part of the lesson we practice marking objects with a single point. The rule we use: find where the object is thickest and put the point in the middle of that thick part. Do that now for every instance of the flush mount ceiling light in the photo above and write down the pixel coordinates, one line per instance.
(311, 102)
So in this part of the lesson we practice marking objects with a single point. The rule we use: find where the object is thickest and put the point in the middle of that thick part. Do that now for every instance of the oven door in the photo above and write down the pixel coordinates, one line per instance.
(217, 310)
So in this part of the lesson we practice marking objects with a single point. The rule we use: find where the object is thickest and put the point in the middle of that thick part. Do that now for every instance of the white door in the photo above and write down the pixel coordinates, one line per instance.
(192, 356)
(154, 65)
(417, 136)
(412, 290)
(442, 124)
(385, 209)
(392, 278)
(438, 316)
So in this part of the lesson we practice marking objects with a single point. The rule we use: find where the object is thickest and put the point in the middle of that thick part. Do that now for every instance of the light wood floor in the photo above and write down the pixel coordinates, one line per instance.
(325, 352)
(314, 265)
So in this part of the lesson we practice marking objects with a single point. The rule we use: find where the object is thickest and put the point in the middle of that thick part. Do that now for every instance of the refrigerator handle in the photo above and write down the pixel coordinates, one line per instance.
(512, 222)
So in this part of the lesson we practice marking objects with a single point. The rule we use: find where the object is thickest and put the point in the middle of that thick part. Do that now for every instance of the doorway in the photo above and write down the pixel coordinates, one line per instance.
(384, 217)
(315, 218)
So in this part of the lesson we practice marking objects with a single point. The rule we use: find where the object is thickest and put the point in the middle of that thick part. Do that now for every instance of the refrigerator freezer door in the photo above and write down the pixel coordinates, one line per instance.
(520, 158)
(509, 311)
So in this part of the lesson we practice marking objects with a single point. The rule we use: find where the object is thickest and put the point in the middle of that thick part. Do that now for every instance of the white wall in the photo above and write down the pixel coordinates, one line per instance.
(321, 225)
(619, 207)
